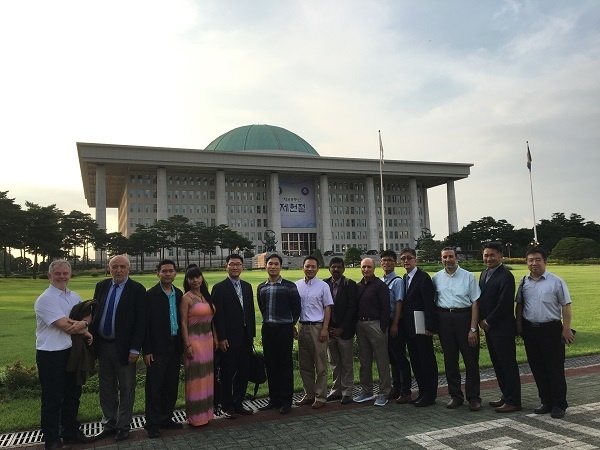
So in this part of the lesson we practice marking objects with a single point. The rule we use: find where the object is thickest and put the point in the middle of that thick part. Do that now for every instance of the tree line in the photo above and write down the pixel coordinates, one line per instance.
(569, 238)
(47, 233)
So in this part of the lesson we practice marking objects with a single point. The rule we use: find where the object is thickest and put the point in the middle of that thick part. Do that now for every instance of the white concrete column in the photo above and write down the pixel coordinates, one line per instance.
(161, 194)
(427, 223)
(100, 202)
(452, 214)
(372, 215)
(415, 228)
(221, 198)
(274, 215)
(326, 238)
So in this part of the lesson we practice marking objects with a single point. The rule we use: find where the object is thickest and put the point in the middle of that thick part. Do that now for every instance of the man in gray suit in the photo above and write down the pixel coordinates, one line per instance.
(119, 329)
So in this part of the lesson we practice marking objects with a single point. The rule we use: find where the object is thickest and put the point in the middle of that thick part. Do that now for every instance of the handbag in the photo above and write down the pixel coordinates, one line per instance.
(256, 370)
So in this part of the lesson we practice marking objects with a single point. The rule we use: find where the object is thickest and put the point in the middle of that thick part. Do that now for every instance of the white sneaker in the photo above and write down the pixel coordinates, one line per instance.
(363, 398)
(381, 400)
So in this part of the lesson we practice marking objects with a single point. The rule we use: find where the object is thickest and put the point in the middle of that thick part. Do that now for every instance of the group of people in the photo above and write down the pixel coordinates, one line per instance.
(163, 325)
(389, 316)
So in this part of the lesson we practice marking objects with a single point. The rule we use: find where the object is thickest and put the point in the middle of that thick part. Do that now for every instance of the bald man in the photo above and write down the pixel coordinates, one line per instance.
(372, 334)
(119, 330)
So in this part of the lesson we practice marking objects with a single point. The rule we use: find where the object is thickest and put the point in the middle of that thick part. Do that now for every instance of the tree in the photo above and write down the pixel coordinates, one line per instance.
(79, 230)
(42, 233)
(142, 240)
(11, 221)
(116, 244)
(471, 237)
(574, 249)
(550, 232)
(430, 250)
(176, 226)
(317, 254)
(352, 256)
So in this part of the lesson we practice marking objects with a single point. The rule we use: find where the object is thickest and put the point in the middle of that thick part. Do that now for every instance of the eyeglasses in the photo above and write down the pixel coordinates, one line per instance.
(234, 264)
(406, 258)
(387, 260)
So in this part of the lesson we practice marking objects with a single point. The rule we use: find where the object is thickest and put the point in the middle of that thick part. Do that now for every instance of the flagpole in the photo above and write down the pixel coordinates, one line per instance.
(535, 239)
(381, 188)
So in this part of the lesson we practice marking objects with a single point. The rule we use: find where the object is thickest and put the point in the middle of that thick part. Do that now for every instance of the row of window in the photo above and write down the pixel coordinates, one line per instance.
(347, 198)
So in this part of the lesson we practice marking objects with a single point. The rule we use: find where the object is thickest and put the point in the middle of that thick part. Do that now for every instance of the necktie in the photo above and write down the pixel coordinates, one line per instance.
(405, 279)
(238, 291)
(108, 318)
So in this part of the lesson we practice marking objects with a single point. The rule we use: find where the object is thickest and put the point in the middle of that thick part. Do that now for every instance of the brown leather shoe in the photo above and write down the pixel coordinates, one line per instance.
(393, 394)
(305, 401)
(404, 398)
(454, 403)
(318, 405)
(474, 406)
(496, 403)
(506, 408)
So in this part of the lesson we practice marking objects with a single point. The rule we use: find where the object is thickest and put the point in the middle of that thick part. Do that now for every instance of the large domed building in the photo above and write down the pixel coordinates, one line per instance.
(256, 178)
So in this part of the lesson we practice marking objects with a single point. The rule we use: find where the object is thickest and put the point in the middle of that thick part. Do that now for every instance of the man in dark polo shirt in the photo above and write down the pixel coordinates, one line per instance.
(372, 334)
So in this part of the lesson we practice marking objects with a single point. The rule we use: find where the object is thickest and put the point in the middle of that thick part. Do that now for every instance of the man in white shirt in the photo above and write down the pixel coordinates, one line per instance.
(60, 392)
(313, 333)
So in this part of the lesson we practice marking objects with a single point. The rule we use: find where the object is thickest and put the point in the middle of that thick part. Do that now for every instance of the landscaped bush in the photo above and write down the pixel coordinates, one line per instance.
(19, 381)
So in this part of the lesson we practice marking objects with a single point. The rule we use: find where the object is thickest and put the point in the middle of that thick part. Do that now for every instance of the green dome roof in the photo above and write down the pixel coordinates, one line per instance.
(261, 138)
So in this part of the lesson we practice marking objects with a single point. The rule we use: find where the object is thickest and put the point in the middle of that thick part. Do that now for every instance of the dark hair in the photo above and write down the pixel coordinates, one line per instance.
(389, 254)
(166, 262)
(539, 250)
(336, 260)
(310, 258)
(412, 251)
(447, 249)
(494, 246)
(194, 271)
(274, 255)
(234, 256)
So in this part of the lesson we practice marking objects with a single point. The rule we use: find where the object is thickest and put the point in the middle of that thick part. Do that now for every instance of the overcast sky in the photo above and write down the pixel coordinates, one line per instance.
(455, 81)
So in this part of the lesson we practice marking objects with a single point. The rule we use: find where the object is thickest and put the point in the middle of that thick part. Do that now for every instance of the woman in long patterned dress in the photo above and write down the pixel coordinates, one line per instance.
(197, 311)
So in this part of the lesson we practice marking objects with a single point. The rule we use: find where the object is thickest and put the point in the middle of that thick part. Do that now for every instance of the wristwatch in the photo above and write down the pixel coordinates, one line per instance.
(473, 330)
(87, 324)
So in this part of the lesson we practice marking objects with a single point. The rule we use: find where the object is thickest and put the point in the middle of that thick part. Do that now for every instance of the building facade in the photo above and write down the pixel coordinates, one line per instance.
(260, 177)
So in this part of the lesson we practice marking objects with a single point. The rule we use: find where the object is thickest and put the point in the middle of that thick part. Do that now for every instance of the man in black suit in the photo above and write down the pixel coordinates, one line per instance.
(119, 329)
(235, 324)
(419, 296)
(163, 348)
(497, 319)
(341, 331)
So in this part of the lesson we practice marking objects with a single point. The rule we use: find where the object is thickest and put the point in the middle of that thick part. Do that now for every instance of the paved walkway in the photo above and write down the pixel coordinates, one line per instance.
(364, 426)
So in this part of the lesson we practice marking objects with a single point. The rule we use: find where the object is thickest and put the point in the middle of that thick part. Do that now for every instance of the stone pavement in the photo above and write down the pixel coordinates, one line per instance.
(364, 426)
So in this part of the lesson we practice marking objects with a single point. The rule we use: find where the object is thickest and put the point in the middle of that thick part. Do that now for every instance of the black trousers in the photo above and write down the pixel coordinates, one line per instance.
(454, 337)
(60, 395)
(504, 359)
(401, 376)
(277, 343)
(234, 365)
(546, 357)
(424, 364)
(162, 384)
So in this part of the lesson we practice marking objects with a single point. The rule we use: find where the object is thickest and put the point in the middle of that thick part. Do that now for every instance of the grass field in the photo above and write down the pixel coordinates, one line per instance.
(17, 327)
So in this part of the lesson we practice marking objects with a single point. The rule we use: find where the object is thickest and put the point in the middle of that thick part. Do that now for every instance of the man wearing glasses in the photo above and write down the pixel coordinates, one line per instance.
(542, 301)
(419, 304)
(236, 328)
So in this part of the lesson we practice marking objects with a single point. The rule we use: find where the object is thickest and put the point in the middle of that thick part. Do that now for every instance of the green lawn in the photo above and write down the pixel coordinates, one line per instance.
(17, 327)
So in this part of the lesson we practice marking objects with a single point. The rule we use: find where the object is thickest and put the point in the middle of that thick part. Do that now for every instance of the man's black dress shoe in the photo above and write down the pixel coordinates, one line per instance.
(346, 399)
(496, 403)
(334, 398)
(243, 411)
(170, 425)
(454, 403)
(285, 409)
(153, 432)
(268, 407)
(425, 402)
(417, 399)
(79, 437)
(542, 409)
(56, 444)
(557, 413)
(121, 435)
